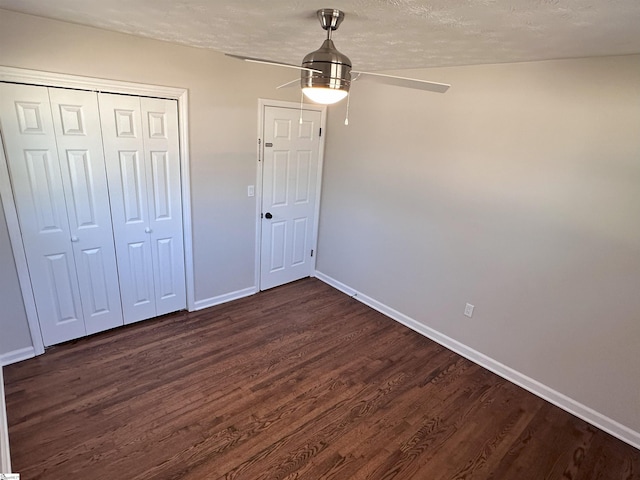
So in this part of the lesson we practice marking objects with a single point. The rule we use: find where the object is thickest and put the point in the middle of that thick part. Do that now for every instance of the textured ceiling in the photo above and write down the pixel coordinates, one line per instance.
(376, 34)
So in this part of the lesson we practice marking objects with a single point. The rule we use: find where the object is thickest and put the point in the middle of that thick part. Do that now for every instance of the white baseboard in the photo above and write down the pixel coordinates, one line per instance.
(17, 356)
(227, 297)
(560, 400)
(5, 458)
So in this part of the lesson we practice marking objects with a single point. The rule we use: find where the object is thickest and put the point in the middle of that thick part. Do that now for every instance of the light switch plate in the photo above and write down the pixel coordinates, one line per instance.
(468, 310)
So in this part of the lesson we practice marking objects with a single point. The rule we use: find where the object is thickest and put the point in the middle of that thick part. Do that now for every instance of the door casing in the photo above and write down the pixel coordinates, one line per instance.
(262, 104)
(50, 79)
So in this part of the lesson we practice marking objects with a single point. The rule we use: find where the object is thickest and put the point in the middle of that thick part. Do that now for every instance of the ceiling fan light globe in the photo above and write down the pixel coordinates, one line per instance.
(323, 95)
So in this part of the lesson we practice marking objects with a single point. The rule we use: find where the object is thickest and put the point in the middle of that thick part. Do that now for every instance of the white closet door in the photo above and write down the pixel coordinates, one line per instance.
(77, 126)
(160, 133)
(28, 133)
(126, 172)
(143, 168)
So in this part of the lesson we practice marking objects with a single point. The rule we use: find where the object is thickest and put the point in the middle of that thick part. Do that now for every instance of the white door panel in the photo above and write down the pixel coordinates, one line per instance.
(131, 188)
(288, 194)
(34, 168)
(60, 270)
(42, 180)
(79, 139)
(98, 298)
(138, 263)
(160, 127)
(278, 251)
(125, 159)
(300, 241)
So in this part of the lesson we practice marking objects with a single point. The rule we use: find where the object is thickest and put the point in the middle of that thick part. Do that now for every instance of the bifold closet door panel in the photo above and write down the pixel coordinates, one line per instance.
(123, 142)
(160, 132)
(36, 179)
(76, 122)
(143, 168)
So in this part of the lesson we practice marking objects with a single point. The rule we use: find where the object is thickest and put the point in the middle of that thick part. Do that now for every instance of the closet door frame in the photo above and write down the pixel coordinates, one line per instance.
(50, 79)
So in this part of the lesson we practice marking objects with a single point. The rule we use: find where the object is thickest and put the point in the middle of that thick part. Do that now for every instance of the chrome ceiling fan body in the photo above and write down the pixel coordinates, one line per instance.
(325, 74)
(332, 77)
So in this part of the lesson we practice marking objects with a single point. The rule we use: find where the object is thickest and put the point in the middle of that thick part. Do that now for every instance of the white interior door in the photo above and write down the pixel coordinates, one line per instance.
(36, 178)
(289, 178)
(78, 134)
(143, 168)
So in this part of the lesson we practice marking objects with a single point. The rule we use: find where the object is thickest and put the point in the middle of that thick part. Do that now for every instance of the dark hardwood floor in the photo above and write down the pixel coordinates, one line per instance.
(299, 382)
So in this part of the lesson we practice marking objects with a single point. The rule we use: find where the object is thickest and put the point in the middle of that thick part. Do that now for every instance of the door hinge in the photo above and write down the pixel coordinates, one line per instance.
(262, 215)
(312, 253)
(259, 149)
(320, 131)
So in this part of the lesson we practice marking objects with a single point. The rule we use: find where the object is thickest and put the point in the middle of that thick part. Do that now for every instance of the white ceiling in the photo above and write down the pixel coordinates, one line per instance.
(376, 34)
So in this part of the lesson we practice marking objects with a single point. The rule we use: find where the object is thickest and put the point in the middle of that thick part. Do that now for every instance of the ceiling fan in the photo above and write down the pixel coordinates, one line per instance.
(326, 74)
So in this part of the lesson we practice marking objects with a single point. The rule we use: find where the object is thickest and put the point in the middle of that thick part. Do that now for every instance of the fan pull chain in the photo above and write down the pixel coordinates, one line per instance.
(346, 119)
(301, 102)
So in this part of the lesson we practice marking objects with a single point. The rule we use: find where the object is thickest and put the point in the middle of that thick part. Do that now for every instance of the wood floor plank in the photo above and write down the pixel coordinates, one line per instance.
(299, 382)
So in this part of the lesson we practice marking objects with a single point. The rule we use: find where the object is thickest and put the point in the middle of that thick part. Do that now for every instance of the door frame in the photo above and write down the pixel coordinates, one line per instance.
(262, 104)
(99, 85)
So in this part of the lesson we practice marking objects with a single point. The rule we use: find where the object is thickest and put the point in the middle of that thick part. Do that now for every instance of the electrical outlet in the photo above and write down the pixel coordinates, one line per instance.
(468, 310)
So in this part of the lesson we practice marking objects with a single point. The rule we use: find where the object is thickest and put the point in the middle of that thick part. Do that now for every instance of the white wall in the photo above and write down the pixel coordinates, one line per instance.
(14, 330)
(517, 191)
(223, 124)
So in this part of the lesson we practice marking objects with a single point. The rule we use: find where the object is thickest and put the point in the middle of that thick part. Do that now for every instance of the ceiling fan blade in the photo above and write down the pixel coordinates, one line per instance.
(292, 83)
(402, 81)
(269, 62)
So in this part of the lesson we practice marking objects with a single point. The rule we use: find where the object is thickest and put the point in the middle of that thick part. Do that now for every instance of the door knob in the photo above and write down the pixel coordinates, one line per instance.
(147, 230)
(268, 215)
(74, 238)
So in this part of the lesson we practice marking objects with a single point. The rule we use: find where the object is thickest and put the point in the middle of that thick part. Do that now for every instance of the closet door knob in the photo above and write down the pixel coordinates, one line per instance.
(74, 238)
(148, 230)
